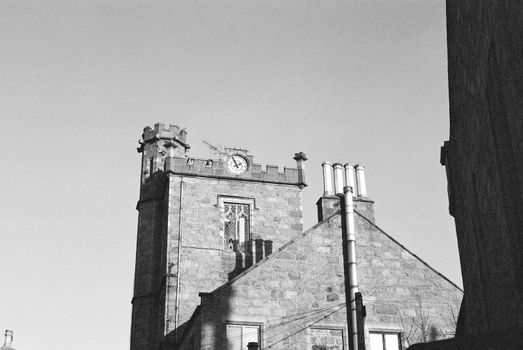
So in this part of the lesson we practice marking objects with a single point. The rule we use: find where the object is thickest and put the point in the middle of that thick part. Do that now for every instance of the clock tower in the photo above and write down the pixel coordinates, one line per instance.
(201, 222)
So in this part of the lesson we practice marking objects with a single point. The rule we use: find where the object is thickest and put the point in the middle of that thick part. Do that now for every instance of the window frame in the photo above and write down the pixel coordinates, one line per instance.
(389, 332)
(251, 202)
(236, 226)
(245, 324)
(328, 327)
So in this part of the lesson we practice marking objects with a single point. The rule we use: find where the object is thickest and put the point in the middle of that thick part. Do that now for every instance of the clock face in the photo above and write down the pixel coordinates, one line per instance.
(237, 164)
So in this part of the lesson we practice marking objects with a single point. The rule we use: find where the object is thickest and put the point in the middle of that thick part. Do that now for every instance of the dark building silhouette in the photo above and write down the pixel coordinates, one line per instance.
(484, 164)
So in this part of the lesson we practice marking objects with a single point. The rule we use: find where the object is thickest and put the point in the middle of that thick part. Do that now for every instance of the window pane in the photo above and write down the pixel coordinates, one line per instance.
(326, 339)
(229, 235)
(234, 337)
(376, 341)
(250, 334)
(391, 342)
(238, 336)
(241, 230)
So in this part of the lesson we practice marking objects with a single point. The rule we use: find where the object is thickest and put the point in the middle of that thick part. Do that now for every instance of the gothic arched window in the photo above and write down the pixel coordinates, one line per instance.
(236, 221)
(236, 226)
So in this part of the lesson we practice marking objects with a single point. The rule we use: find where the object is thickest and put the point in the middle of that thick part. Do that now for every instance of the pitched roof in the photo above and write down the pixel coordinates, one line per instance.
(311, 230)
(274, 254)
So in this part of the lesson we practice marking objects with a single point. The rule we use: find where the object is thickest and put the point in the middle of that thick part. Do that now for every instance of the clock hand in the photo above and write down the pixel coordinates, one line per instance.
(235, 162)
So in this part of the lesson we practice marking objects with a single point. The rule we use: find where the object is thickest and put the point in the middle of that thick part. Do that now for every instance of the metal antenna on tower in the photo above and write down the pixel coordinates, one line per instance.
(215, 149)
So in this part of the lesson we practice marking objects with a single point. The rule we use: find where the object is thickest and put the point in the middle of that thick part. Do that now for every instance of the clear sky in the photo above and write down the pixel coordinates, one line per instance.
(344, 81)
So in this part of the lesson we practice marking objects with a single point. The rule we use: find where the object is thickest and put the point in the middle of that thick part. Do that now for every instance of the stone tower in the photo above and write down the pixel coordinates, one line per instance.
(200, 223)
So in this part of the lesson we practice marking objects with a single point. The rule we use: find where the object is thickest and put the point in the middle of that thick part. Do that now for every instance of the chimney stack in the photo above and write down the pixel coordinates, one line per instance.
(335, 178)
(8, 339)
(300, 159)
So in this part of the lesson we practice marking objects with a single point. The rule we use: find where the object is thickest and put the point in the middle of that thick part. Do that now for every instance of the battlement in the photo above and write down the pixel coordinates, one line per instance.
(164, 147)
(164, 131)
(217, 169)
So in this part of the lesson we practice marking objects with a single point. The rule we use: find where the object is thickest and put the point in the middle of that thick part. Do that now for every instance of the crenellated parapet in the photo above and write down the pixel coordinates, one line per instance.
(154, 146)
(164, 149)
(218, 169)
(164, 131)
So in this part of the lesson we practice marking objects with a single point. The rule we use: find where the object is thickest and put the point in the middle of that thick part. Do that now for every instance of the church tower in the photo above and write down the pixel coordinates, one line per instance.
(201, 222)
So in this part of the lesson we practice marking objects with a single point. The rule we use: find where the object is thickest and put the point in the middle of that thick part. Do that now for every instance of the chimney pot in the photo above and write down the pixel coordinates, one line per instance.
(300, 159)
(8, 338)
(252, 346)
(338, 178)
(349, 176)
(327, 179)
(360, 179)
(300, 156)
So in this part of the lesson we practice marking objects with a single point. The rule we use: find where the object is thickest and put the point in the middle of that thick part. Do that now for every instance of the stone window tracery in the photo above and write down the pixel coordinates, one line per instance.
(236, 221)
(236, 226)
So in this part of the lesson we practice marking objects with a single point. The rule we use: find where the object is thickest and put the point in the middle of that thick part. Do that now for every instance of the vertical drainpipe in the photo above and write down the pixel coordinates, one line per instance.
(327, 179)
(169, 165)
(360, 178)
(338, 178)
(179, 258)
(351, 255)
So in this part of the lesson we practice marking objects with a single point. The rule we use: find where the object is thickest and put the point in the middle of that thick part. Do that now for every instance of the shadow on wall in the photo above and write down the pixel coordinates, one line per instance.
(258, 249)
(207, 328)
(216, 308)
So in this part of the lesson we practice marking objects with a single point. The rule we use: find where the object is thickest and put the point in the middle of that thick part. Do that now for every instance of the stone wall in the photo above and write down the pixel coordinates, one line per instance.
(147, 322)
(298, 293)
(299, 283)
(205, 264)
(401, 291)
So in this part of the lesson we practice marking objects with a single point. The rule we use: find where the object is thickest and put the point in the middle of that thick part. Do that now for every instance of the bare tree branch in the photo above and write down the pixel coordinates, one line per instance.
(420, 328)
